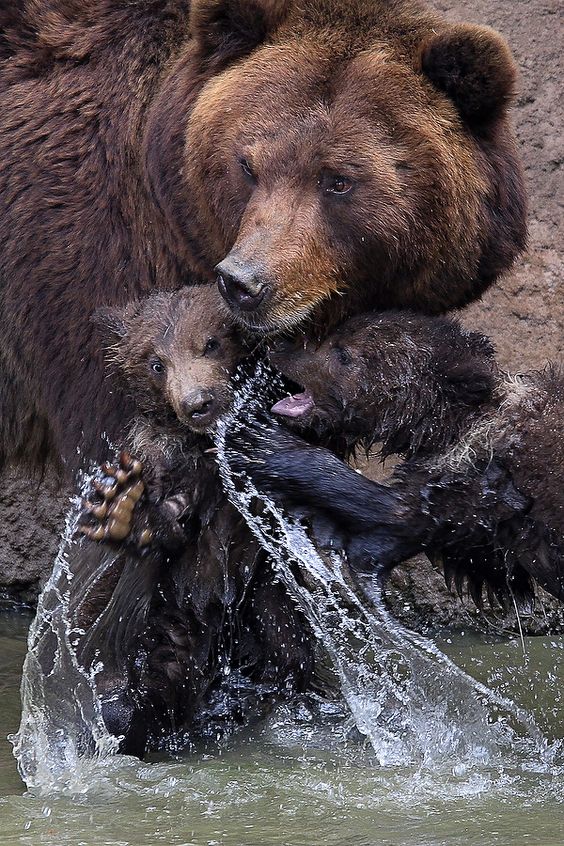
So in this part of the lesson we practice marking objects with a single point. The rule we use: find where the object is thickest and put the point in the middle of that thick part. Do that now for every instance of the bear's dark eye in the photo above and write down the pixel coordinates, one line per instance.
(157, 366)
(336, 184)
(343, 355)
(340, 185)
(247, 170)
(212, 344)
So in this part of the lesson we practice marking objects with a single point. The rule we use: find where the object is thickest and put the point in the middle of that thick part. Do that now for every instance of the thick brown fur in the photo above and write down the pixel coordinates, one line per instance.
(399, 379)
(171, 617)
(481, 487)
(173, 355)
(142, 144)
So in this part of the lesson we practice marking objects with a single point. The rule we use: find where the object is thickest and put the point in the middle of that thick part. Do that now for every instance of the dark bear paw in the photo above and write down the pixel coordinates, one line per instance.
(109, 515)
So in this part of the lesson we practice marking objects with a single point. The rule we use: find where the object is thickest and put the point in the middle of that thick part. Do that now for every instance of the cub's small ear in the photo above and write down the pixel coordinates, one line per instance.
(474, 67)
(111, 321)
(230, 29)
(469, 382)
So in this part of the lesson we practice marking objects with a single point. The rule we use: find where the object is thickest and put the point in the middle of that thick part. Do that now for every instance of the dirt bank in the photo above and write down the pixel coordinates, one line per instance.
(524, 314)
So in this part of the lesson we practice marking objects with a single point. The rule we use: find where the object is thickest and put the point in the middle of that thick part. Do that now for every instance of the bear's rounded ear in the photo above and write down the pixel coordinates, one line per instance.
(464, 364)
(230, 29)
(111, 321)
(469, 383)
(472, 65)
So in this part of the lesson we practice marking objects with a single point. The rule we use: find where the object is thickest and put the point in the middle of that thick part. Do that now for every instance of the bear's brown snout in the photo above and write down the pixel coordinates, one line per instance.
(240, 283)
(198, 407)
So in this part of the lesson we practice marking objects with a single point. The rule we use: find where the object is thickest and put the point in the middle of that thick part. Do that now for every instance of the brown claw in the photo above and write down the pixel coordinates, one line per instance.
(121, 476)
(125, 459)
(97, 534)
(135, 492)
(120, 494)
(118, 530)
(136, 467)
(106, 491)
(97, 511)
(132, 465)
(123, 508)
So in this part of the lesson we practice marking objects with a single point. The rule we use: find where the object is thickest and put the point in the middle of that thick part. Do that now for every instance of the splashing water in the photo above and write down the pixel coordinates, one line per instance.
(62, 734)
(405, 696)
(410, 701)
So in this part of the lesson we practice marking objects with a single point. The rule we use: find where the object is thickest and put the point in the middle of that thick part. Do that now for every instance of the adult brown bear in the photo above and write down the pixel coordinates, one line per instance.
(305, 150)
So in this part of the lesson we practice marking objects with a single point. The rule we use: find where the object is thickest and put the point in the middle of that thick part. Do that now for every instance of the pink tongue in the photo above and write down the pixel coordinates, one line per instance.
(295, 406)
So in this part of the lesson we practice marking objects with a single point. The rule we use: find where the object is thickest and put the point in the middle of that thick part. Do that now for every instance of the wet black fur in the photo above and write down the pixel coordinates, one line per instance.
(492, 513)
(166, 619)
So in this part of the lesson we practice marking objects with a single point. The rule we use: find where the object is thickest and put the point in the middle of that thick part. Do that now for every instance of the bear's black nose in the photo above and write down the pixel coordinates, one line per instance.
(240, 285)
(197, 406)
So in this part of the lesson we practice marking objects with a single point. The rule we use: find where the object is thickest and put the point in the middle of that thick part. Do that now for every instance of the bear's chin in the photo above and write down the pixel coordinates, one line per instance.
(273, 322)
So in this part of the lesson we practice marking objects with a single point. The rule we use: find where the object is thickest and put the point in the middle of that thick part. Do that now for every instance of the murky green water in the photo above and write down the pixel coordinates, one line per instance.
(294, 781)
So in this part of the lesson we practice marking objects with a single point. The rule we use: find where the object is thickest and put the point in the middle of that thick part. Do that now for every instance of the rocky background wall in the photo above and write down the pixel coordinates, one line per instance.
(524, 315)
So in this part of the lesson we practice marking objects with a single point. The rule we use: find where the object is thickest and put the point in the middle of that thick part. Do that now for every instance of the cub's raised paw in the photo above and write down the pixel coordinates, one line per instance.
(109, 513)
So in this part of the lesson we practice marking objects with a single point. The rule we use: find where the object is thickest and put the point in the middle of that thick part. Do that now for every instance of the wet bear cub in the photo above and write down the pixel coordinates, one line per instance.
(152, 608)
(167, 563)
(173, 355)
(480, 489)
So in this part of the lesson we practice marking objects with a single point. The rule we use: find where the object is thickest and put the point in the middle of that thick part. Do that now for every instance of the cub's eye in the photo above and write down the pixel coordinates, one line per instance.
(247, 170)
(212, 344)
(336, 184)
(343, 356)
(157, 366)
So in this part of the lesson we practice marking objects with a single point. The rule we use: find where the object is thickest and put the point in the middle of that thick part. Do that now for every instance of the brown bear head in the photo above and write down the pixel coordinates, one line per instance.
(410, 381)
(327, 157)
(174, 354)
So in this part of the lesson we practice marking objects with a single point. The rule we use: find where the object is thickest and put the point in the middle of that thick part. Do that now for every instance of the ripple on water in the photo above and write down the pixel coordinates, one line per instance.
(265, 792)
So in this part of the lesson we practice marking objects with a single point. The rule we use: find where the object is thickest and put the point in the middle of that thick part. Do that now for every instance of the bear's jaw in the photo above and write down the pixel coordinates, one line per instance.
(270, 324)
(149, 439)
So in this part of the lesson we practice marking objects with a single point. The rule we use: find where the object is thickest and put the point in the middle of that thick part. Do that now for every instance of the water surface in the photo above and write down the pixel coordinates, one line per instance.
(305, 777)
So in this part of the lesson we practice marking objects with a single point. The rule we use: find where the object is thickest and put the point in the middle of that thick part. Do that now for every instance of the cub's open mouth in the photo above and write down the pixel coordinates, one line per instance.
(297, 405)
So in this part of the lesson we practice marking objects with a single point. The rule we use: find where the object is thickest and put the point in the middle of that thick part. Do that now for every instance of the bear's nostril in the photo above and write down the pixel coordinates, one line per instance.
(239, 286)
(204, 408)
(240, 294)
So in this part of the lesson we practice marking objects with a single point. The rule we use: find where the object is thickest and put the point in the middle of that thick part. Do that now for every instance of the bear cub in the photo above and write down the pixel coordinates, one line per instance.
(174, 355)
(185, 589)
(480, 489)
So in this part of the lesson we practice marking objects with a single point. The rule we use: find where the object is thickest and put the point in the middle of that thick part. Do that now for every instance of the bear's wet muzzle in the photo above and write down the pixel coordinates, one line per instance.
(240, 285)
